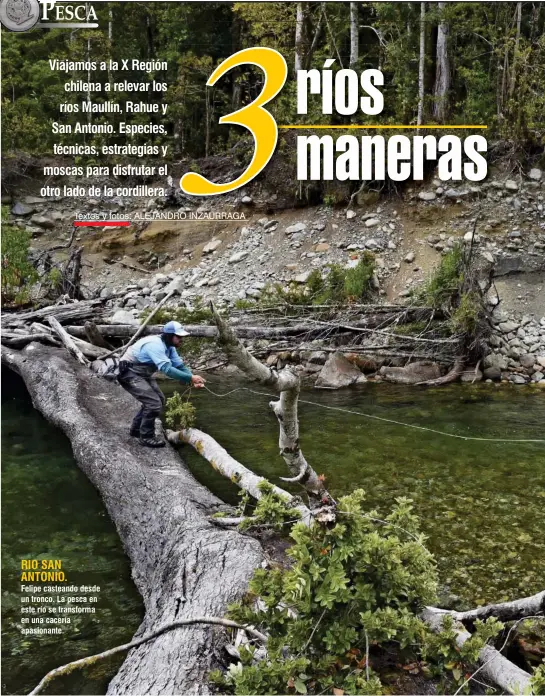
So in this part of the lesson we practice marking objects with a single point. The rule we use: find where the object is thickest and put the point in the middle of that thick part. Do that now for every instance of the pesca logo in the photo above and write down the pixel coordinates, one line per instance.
(22, 15)
(19, 15)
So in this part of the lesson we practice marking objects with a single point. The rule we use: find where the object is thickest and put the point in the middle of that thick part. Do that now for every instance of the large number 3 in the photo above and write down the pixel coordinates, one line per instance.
(254, 117)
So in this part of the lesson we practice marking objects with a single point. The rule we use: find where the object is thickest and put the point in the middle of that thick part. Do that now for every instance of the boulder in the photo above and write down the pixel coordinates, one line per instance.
(492, 373)
(298, 227)
(239, 256)
(427, 196)
(176, 286)
(511, 185)
(211, 246)
(508, 326)
(535, 174)
(527, 360)
(42, 221)
(495, 360)
(373, 222)
(122, 316)
(410, 257)
(338, 372)
(350, 214)
(20, 209)
(413, 373)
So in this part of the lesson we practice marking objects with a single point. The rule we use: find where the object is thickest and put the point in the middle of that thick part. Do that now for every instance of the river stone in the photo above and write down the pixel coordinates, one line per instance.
(176, 286)
(298, 227)
(317, 357)
(511, 185)
(22, 209)
(350, 214)
(211, 246)
(122, 316)
(239, 256)
(535, 174)
(508, 326)
(492, 373)
(427, 196)
(373, 222)
(338, 372)
(527, 360)
(517, 379)
(413, 373)
(42, 221)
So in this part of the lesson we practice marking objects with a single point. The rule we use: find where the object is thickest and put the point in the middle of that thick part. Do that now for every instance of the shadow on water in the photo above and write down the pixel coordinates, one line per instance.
(51, 510)
(482, 504)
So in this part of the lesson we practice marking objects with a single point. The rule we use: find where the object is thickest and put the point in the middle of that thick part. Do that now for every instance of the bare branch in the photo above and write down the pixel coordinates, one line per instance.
(76, 664)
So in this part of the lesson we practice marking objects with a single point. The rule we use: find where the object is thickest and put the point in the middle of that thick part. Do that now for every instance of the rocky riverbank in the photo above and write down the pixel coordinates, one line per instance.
(237, 246)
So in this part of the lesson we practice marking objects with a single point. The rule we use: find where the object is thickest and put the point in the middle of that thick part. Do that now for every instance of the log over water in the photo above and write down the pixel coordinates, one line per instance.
(182, 564)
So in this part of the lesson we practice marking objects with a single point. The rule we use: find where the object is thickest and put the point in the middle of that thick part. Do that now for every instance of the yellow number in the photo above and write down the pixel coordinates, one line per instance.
(254, 117)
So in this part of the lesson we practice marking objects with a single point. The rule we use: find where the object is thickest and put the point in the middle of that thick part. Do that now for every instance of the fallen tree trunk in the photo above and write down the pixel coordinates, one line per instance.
(183, 566)
(494, 665)
(310, 329)
(74, 311)
(506, 611)
(222, 462)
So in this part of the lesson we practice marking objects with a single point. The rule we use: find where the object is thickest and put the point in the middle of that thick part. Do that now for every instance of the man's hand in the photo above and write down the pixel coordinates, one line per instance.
(197, 381)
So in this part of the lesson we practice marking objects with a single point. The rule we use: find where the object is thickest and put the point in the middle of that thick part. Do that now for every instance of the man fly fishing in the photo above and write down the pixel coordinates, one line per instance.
(136, 369)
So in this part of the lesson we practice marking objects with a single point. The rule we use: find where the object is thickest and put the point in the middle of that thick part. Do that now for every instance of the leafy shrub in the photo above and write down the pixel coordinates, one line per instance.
(351, 585)
(538, 679)
(198, 314)
(180, 414)
(18, 274)
(270, 509)
(465, 318)
(339, 286)
(446, 280)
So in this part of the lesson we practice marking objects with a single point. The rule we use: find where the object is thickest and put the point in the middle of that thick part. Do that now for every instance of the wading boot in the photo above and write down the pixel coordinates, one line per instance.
(133, 432)
(151, 442)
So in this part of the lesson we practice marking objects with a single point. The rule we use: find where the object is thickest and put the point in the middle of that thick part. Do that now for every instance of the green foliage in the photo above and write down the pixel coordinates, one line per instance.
(271, 509)
(197, 314)
(350, 586)
(445, 656)
(497, 75)
(465, 318)
(445, 281)
(339, 286)
(538, 679)
(18, 274)
(180, 414)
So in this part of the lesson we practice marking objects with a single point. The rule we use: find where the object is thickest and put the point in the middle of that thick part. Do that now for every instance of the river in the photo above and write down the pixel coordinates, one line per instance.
(482, 503)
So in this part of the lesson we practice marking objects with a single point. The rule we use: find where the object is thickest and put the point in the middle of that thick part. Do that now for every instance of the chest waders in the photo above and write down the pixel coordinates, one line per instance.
(137, 379)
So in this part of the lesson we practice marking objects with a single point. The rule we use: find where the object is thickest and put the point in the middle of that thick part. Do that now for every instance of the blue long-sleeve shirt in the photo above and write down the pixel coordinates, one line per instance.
(152, 351)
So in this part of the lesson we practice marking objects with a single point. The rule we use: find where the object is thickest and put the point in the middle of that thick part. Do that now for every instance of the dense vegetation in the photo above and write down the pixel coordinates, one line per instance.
(478, 63)
(346, 610)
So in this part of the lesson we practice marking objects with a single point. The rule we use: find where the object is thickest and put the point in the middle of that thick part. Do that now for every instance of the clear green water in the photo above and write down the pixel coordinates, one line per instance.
(51, 510)
(482, 505)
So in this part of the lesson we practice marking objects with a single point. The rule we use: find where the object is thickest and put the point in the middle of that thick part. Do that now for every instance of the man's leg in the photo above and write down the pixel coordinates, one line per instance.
(152, 405)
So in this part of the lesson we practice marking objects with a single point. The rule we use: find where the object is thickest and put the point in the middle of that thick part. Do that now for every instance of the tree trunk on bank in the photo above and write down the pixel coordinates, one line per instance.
(299, 29)
(354, 34)
(182, 565)
(421, 64)
(442, 71)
